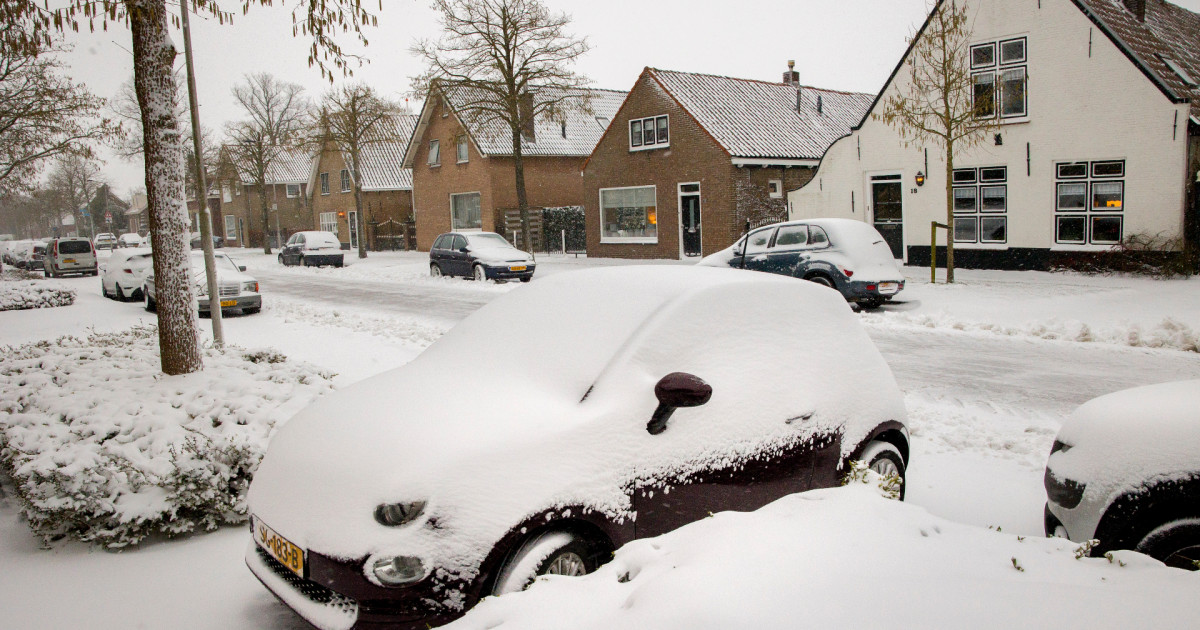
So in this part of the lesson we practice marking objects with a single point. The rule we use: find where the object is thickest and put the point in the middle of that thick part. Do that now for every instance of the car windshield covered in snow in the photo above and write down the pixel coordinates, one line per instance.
(222, 262)
(488, 240)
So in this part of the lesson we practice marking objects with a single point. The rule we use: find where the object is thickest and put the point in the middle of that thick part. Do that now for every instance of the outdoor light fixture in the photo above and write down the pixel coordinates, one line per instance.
(920, 178)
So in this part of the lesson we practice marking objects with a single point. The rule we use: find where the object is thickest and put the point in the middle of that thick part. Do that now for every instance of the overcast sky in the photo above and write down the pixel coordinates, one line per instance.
(838, 44)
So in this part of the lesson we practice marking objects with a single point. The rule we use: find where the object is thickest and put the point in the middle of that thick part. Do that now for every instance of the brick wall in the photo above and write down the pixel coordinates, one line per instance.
(293, 215)
(378, 205)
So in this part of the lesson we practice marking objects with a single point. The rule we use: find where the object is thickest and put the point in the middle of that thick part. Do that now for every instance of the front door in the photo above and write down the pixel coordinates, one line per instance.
(352, 218)
(689, 218)
(888, 204)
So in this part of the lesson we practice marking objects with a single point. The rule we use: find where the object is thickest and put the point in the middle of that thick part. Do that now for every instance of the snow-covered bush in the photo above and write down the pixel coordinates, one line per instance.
(32, 294)
(103, 447)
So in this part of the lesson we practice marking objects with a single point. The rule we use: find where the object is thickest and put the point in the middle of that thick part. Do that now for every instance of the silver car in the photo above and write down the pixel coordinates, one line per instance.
(238, 290)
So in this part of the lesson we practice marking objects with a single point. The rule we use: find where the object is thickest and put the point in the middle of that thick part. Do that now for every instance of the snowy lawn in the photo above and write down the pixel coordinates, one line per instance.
(20, 290)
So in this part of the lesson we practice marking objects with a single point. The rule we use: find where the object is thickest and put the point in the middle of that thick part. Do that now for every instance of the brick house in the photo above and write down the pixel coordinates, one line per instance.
(237, 217)
(387, 190)
(463, 174)
(690, 158)
(1098, 140)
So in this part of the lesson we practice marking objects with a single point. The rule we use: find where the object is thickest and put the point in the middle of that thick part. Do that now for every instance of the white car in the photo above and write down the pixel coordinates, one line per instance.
(312, 249)
(124, 273)
(643, 398)
(238, 290)
(1125, 470)
(132, 239)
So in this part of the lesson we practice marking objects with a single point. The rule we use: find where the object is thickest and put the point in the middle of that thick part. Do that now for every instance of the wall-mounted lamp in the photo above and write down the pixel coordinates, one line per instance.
(920, 178)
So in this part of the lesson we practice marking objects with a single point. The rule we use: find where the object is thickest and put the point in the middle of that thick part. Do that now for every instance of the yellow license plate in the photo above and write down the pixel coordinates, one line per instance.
(228, 303)
(68, 261)
(517, 268)
(287, 553)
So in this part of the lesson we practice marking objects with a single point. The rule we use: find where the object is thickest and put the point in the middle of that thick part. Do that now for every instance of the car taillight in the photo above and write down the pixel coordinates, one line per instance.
(870, 287)
(848, 272)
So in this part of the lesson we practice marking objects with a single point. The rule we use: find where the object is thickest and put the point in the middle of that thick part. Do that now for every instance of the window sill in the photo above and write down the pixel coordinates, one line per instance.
(1071, 247)
(650, 148)
(1015, 120)
(1000, 246)
(463, 162)
(629, 240)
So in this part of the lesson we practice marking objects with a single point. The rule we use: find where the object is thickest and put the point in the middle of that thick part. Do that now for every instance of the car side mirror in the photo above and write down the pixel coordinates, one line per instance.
(677, 389)
(241, 267)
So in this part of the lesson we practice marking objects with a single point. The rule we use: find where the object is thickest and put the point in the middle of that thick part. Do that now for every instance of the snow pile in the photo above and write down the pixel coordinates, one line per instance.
(103, 447)
(1169, 333)
(847, 557)
(33, 294)
(411, 331)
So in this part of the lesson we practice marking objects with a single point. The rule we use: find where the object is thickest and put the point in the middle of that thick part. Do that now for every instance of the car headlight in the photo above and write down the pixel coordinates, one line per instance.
(1062, 491)
(397, 514)
(250, 286)
(398, 570)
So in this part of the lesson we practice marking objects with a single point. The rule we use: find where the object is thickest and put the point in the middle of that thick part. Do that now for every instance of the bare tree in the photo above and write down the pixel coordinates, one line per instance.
(76, 178)
(352, 119)
(42, 114)
(275, 113)
(507, 63)
(940, 103)
(154, 55)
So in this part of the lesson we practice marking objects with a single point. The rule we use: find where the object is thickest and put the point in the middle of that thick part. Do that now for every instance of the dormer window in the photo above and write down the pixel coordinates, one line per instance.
(649, 133)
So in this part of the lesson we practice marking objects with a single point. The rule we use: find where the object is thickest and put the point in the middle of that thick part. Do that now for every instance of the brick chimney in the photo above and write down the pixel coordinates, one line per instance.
(1137, 8)
(526, 112)
(791, 77)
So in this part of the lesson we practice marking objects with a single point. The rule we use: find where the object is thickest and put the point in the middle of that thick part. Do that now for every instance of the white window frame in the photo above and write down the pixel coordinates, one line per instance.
(345, 180)
(230, 228)
(642, 146)
(971, 179)
(292, 191)
(775, 188)
(996, 71)
(324, 179)
(456, 228)
(639, 240)
(462, 150)
(435, 153)
(329, 222)
(1088, 213)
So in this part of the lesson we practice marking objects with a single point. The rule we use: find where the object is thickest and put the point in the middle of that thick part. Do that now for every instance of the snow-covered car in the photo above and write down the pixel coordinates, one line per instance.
(642, 399)
(70, 254)
(131, 239)
(28, 255)
(1125, 470)
(479, 255)
(124, 273)
(105, 240)
(238, 290)
(843, 254)
(315, 249)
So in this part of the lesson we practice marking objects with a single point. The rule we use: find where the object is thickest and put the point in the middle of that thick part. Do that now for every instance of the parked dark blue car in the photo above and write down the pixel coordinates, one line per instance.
(479, 255)
(843, 254)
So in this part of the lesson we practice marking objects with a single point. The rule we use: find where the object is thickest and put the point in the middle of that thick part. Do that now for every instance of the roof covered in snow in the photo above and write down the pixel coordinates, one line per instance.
(759, 119)
(290, 166)
(383, 158)
(1166, 45)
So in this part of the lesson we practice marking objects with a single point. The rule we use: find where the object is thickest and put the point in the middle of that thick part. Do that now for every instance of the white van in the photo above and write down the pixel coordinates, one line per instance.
(70, 255)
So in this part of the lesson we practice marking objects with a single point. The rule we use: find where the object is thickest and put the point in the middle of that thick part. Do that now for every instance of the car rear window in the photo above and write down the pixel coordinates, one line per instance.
(74, 247)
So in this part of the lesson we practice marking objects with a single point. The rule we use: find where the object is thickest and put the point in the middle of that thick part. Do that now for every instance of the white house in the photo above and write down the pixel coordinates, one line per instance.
(1099, 139)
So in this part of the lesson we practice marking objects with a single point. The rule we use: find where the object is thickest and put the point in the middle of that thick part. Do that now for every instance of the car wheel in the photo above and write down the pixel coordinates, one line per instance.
(526, 278)
(303, 262)
(435, 271)
(871, 304)
(280, 257)
(550, 553)
(822, 280)
(1176, 544)
(46, 272)
(251, 311)
(103, 289)
(479, 274)
(150, 304)
(884, 458)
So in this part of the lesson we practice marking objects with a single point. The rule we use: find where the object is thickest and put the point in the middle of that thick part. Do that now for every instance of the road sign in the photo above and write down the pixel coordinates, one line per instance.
(108, 217)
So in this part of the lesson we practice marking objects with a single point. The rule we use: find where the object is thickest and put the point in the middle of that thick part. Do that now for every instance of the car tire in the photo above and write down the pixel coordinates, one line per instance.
(435, 271)
(280, 257)
(150, 303)
(871, 304)
(526, 278)
(550, 553)
(1175, 543)
(251, 311)
(103, 289)
(478, 273)
(822, 280)
(46, 272)
(885, 459)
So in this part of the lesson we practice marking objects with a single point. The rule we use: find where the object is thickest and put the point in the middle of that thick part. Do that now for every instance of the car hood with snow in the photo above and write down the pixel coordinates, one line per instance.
(493, 424)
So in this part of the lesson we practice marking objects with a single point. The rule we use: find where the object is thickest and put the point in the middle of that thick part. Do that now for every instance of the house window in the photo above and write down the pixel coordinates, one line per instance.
(629, 215)
(230, 227)
(435, 153)
(345, 180)
(324, 183)
(293, 191)
(465, 212)
(999, 78)
(1089, 202)
(226, 194)
(981, 205)
(649, 133)
(463, 154)
(775, 188)
(329, 222)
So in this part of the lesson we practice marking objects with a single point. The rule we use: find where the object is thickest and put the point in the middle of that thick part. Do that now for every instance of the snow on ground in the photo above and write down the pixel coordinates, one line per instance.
(20, 290)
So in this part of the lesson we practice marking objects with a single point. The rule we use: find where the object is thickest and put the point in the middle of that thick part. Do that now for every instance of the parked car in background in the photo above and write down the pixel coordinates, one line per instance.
(12, 251)
(1125, 470)
(105, 240)
(312, 249)
(131, 239)
(69, 255)
(493, 457)
(238, 290)
(480, 256)
(218, 242)
(28, 255)
(843, 254)
(123, 274)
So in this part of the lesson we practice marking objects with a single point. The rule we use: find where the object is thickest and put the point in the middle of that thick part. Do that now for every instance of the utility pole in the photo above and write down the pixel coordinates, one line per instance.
(204, 216)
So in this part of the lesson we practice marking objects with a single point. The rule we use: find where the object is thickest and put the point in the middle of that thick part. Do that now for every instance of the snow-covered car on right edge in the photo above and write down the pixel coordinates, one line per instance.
(641, 399)
(843, 254)
(1125, 470)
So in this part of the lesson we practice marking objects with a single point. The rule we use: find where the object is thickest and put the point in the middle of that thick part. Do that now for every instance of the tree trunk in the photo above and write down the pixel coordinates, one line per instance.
(358, 206)
(949, 212)
(154, 81)
(266, 215)
(522, 199)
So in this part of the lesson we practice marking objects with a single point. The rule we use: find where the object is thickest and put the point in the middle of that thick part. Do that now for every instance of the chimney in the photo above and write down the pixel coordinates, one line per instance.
(791, 77)
(526, 113)
(1137, 8)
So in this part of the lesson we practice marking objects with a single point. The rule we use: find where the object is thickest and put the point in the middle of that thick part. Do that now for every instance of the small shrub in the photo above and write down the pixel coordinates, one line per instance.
(1139, 254)
(860, 472)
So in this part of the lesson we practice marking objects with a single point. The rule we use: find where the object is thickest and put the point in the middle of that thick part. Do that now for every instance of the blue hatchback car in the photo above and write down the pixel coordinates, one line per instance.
(843, 254)
(480, 256)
